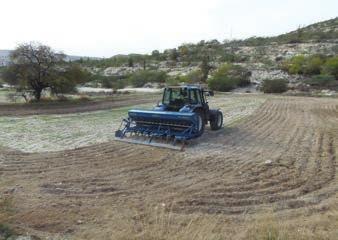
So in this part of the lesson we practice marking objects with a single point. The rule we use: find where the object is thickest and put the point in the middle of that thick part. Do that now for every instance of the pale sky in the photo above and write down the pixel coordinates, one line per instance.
(103, 28)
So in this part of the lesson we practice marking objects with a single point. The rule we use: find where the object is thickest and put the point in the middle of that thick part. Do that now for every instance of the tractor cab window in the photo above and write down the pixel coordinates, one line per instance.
(175, 96)
(166, 96)
(195, 97)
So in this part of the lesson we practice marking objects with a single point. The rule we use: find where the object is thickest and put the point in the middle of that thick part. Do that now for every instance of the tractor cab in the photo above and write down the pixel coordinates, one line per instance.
(175, 98)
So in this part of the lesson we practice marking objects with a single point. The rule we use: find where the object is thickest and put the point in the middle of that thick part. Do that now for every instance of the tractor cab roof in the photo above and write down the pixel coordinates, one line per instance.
(187, 87)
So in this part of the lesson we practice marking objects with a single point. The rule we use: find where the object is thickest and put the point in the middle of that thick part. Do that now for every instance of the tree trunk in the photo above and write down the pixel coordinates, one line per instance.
(37, 94)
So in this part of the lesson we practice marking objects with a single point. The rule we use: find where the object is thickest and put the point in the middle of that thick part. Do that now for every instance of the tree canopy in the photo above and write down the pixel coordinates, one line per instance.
(36, 67)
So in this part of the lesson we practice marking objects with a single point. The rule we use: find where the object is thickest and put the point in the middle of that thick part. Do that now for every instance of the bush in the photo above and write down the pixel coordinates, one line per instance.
(5, 231)
(228, 77)
(331, 67)
(312, 65)
(193, 77)
(108, 81)
(176, 80)
(138, 79)
(321, 81)
(112, 82)
(68, 79)
(274, 86)
(295, 65)
(241, 75)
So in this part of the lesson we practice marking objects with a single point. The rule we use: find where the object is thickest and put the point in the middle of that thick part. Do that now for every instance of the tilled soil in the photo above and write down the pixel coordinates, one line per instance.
(282, 157)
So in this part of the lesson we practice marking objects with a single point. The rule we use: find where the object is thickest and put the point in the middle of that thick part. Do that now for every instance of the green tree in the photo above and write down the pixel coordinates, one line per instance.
(155, 54)
(68, 79)
(144, 64)
(35, 67)
(174, 55)
(205, 68)
(10, 75)
(130, 62)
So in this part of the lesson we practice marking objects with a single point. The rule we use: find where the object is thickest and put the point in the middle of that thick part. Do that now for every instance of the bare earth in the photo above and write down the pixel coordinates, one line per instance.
(281, 158)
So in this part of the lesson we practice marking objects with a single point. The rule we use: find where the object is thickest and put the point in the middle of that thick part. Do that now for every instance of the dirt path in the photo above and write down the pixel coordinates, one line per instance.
(282, 157)
(71, 107)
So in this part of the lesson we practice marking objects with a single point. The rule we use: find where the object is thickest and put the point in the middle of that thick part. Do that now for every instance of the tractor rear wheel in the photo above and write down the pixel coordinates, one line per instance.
(217, 121)
(201, 124)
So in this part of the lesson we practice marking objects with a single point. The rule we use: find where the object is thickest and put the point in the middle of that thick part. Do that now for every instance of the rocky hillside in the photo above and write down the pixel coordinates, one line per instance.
(260, 55)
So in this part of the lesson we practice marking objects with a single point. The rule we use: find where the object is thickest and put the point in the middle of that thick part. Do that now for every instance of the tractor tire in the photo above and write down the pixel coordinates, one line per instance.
(201, 123)
(216, 122)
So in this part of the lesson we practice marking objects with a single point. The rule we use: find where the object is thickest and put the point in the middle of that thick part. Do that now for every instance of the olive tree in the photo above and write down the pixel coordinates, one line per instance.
(35, 67)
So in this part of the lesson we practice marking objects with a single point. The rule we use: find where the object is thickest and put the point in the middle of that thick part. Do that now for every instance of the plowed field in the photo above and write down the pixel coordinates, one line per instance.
(274, 154)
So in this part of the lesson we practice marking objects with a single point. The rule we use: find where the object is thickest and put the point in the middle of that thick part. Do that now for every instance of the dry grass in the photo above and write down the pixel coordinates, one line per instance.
(6, 209)
(157, 222)
(162, 223)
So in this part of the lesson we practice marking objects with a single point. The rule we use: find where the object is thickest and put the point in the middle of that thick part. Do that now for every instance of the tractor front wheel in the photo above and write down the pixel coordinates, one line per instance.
(217, 121)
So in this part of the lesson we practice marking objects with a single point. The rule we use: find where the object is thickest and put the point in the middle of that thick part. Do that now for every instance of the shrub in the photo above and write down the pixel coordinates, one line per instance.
(241, 75)
(108, 81)
(222, 83)
(205, 68)
(196, 76)
(138, 79)
(5, 231)
(228, 57)
(295, 65)
(176, 80)
(112, 82)
(331, 67)
(274, 86)
(228, 77)
(67, 80)
(321, 81)
(63, 85)
(313, 65)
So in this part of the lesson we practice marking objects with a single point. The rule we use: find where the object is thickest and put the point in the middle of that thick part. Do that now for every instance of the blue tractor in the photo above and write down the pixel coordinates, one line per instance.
(181, 116)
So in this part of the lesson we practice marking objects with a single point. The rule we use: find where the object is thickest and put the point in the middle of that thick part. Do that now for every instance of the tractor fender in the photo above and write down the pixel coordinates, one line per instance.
(196, 109)
(199, 110)
(213, 113)
(160, 107)
(191, 108)
(187, 108)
